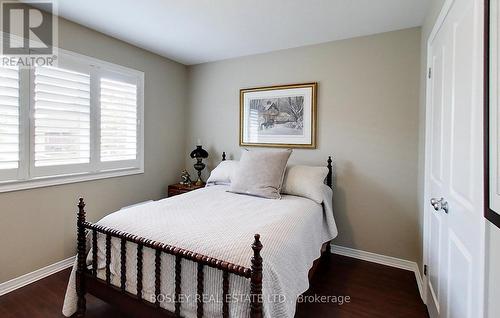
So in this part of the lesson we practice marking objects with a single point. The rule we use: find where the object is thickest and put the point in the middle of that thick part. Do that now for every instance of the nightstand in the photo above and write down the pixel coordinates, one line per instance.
(175, 189)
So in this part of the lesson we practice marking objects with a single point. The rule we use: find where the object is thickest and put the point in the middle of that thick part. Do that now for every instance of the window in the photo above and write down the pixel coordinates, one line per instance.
(9, 122)
(62, 117)
(78, 121)
(118, 121)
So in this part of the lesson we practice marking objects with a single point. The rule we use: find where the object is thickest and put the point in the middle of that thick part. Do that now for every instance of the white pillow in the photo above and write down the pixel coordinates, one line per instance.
(305, 181)
(223, 173)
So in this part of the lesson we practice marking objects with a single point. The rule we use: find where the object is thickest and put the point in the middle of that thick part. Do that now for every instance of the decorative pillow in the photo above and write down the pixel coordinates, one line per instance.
(260, 173)
(305, 181)
(223, 173)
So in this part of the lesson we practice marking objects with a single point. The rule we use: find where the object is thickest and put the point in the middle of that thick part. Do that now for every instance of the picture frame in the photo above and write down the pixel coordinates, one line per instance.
(491, 110)
(279, 116)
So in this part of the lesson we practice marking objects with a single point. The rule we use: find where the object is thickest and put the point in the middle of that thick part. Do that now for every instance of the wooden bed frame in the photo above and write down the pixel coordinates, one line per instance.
(88, 282)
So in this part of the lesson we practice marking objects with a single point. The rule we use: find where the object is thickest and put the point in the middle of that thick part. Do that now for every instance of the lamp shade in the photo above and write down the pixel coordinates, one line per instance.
(199, 152)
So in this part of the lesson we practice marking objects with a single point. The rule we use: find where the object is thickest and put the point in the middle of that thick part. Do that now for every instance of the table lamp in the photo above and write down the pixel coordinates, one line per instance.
(199, 154)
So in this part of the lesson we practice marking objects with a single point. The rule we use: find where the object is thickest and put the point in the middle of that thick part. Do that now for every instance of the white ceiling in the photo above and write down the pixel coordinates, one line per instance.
(197, 31)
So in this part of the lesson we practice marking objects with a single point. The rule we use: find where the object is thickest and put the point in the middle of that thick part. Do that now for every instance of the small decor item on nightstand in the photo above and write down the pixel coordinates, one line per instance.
(185, 178)
(199, 154)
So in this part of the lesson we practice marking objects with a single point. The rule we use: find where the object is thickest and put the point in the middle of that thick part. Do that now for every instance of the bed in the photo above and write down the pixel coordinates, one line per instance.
(190, 255)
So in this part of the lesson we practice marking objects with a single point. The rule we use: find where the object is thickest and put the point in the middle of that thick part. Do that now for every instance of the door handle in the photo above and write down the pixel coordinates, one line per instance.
(439, 204)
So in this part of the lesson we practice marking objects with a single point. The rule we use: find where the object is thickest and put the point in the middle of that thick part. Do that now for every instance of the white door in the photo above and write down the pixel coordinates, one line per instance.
(454, 230)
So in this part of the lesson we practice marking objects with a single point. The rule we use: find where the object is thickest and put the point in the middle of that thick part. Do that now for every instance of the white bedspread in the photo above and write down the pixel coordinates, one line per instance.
(220, 224)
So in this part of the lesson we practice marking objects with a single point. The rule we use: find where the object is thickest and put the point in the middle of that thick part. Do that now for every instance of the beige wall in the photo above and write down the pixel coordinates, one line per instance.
(367, 120)
(37, 227)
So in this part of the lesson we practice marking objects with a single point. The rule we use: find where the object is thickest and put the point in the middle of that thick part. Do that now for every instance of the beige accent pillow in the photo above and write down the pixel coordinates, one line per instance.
(260, 173)
(305, 181)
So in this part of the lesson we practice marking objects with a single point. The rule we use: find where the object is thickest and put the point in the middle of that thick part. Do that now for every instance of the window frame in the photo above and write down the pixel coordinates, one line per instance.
(29, 176)
(73, 64)
(115, 75)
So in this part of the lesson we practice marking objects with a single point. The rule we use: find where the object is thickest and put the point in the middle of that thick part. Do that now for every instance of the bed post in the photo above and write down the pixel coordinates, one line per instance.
(329, 182)
(223, 156)
(256, 280)
(80, 269)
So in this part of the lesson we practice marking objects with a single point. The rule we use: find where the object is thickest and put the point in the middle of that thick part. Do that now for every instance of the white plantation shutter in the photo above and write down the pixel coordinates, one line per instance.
(9, 118)
(118, 120)
(62, 117)
(78, 120)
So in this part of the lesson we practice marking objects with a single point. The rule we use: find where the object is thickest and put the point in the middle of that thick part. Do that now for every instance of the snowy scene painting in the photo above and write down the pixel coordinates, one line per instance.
(280, 116)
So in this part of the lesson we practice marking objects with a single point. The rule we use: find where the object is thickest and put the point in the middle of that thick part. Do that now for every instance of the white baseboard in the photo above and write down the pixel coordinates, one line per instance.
(384, 260)
(32, 277)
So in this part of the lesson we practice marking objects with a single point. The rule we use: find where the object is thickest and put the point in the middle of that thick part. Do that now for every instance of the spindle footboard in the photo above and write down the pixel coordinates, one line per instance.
(88, 282)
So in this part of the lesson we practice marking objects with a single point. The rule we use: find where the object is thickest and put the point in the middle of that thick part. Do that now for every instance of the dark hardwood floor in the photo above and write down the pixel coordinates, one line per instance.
(374, 291)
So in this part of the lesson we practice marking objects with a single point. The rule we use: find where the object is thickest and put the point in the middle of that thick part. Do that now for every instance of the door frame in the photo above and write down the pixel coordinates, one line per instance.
(489, 214)
(426, 206)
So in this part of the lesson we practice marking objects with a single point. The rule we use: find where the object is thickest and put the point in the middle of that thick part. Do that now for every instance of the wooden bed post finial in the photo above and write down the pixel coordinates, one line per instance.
(81, 211)
(256, 280)
(81, 251)
(223, 156)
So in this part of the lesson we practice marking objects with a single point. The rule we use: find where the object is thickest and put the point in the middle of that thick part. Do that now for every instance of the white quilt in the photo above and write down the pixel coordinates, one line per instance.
(220, 224)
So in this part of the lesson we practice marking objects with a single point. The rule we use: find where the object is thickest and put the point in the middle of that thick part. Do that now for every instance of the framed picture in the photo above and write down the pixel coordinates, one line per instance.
(279, 116)
(492, 111)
